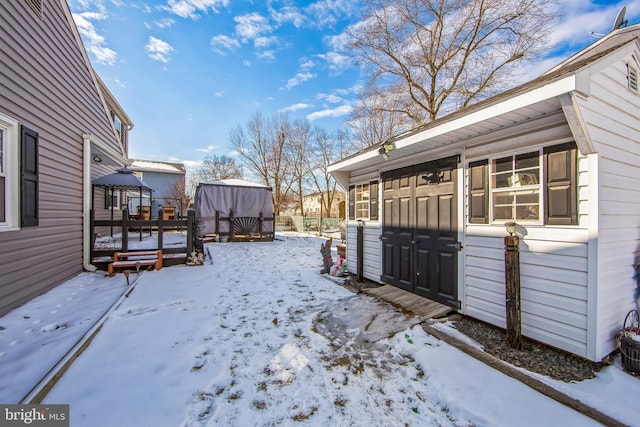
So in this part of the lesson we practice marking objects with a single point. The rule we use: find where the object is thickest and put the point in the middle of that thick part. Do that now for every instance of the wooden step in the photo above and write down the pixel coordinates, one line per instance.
(131, 259)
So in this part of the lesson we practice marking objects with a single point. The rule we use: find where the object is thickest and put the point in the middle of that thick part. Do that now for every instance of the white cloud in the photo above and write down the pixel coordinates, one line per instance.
(300, 78)
(194, 8)
(164, 23)
(218, 94)
(343, 110)
(94, 41)
(337, 62)
(330, 98)
(222, 44)
(251, 26)
(295, 107)
(327, 12)
(159, 50)
(267, 54)
(264, 42)
(307, 65)
(288, 14)
(207, 149)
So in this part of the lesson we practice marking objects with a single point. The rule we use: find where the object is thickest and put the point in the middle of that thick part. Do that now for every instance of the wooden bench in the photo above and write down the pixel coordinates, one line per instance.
(131, 259)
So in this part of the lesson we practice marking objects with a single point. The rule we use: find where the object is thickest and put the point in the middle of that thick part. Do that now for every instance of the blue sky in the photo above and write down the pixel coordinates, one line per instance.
(188, 71)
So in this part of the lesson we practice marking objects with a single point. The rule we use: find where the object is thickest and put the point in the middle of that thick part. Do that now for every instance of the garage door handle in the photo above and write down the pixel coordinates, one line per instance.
(456, 245)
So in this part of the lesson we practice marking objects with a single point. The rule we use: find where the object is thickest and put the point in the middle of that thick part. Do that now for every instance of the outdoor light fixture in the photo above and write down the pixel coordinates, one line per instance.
(97, 159)
(511, 227)
(384, 149)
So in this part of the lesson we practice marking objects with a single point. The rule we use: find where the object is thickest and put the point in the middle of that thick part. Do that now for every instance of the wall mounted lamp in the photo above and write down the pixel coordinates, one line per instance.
(384, 149)
(511, 227)
(97, 159)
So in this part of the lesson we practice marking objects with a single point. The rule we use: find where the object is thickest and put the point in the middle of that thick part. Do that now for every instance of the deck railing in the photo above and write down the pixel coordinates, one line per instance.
(126, 226)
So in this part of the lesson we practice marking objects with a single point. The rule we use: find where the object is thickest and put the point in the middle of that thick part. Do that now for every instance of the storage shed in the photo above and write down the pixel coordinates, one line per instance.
(235, 209)
(560, 156)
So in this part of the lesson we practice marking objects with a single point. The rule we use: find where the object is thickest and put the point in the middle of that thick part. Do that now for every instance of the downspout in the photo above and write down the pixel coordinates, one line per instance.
(86, 204)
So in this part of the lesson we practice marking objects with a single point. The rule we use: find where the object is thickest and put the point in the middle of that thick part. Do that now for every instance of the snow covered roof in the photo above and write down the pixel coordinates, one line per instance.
(151, 166)
(234, 183)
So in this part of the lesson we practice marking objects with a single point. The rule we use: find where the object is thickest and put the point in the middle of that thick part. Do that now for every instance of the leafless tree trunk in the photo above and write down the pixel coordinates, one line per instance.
(263, 148)
(177, 194)
(299, 151)
(436, 56)
(324, 151)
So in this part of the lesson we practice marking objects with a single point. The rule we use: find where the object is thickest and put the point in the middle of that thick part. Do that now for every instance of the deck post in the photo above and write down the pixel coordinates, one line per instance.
(125, 230)
(512, 291)
(191, 231)
(360, 249)
(160, 227)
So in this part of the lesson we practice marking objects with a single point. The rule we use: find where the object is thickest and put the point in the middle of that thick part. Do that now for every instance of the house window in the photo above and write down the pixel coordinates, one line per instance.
(515, 187)
(112, 200)
(9, 174)
(536, 187)
(363, 201)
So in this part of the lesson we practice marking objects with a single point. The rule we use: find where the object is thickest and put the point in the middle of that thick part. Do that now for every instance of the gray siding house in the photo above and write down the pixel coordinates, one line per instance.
(560, 156)
(56, 134)
(162, 177)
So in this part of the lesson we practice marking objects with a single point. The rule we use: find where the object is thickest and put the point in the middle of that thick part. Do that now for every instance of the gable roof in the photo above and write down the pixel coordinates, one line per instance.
(531, 100)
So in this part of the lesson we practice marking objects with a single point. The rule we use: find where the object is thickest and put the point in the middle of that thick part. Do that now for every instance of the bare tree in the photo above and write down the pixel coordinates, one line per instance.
(263, 148)
(324, 151)
(299, 150)
(375, 118)
(177, 194)
(436, 56)
(216, 168)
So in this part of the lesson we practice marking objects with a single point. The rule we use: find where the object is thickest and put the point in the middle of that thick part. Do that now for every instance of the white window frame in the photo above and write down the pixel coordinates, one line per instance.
(362, 201)
(517, 186)
(10, 171)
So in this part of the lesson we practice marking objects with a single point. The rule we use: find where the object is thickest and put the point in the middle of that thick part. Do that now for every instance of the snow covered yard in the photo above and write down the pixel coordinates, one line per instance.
(258, 337)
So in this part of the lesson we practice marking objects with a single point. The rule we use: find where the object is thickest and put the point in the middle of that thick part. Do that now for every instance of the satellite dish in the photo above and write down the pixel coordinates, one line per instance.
(620, 21)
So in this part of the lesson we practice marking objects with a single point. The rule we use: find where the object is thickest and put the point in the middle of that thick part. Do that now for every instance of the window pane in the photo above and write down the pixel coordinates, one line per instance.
(531, 177)
(503, 164)
(502, 180)
(527, 197)
(527, 160)
(528, 212)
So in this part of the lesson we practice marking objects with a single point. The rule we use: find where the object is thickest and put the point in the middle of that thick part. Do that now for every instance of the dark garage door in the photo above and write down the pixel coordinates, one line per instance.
(419, 232)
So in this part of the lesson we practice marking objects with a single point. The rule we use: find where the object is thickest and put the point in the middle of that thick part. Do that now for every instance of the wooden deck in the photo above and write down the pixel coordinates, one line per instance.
(420, 307)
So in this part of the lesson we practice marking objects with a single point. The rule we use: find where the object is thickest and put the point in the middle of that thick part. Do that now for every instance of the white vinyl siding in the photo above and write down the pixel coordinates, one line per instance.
(372, 263)
(553, 280)
(612, 116)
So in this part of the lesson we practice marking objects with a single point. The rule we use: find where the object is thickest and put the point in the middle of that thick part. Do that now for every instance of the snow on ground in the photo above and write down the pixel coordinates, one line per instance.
(257, 336)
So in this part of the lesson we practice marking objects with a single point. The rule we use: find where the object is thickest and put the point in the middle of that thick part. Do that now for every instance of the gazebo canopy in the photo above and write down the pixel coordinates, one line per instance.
(122, 179)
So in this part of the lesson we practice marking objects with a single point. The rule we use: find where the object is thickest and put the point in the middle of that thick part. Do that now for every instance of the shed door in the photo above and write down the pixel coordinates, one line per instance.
(419, 232)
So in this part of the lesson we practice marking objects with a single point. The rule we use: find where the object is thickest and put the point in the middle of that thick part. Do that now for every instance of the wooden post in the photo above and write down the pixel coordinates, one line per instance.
(360, 249)
(125, 231)
(512, 285)
(192, 232)
(160, 227)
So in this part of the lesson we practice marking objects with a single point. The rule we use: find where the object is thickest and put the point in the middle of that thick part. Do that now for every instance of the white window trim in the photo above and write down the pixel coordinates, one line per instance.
(11, 158)
(362, 202)
(542, 179)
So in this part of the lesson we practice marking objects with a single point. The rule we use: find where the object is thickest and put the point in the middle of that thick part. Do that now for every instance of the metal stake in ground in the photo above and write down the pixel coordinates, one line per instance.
(512, 287)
